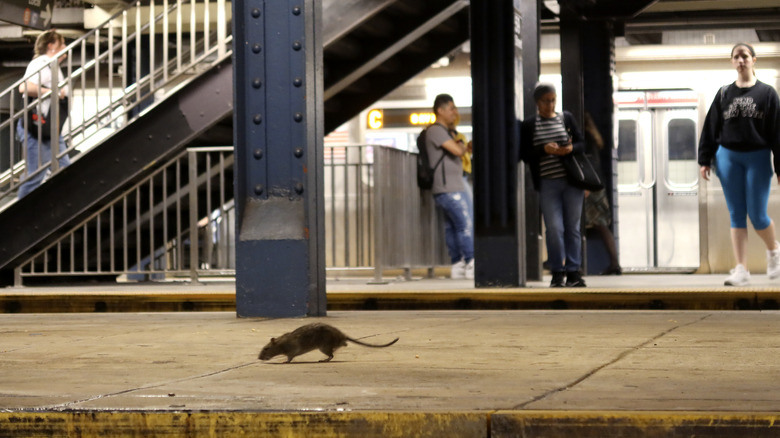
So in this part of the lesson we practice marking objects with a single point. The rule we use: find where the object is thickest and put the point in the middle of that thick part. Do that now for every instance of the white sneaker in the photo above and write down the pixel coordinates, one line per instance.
(739, 277)
(773, 262)
(470, 270)
(458, 271)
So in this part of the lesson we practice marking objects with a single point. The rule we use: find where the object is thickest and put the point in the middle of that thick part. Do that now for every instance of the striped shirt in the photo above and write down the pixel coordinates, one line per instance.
(546, 131)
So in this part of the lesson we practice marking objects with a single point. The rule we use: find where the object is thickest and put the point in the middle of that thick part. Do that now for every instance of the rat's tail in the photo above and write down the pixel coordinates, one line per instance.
(373, 345)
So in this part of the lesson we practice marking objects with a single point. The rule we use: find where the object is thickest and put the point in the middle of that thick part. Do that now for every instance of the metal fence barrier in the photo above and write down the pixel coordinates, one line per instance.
(408, 226)
(179, 222)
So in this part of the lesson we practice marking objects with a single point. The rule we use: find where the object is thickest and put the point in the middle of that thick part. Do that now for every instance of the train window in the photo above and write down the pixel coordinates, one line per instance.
(627, 140)
(682, 139)
(681, 143)
(628, 167)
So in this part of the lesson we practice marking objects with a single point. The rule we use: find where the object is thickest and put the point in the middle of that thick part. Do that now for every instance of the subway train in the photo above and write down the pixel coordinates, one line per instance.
(666, 219)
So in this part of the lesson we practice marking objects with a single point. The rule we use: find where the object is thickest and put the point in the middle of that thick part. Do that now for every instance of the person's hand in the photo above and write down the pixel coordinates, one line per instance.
(554, 149)
(63, 93)
(705, 173)
(565, 150)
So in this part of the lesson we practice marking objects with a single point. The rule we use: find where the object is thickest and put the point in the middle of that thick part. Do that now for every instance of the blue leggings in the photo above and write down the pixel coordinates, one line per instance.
(746, 178)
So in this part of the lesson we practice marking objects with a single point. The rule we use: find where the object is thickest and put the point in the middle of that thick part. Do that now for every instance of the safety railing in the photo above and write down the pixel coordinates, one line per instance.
(179, 222)
(111, 74)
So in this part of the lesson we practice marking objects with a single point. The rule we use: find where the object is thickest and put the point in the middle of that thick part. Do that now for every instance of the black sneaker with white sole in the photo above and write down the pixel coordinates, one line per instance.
(574, 279)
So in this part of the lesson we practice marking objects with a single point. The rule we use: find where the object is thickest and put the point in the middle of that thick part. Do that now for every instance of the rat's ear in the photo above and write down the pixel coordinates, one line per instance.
(273, 340)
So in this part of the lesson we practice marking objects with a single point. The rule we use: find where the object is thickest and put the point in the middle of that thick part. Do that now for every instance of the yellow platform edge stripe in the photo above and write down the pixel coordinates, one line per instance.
(496, 424)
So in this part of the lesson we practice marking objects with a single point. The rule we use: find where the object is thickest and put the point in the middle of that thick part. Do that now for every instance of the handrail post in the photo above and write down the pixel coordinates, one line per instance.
(193, 207)
(221, 29)
(405, 211)
(379, 215)
(18, 276)
(433, 233)
(54, 115)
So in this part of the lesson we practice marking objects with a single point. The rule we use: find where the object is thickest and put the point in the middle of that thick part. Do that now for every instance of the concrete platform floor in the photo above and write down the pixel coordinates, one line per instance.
(451, 374)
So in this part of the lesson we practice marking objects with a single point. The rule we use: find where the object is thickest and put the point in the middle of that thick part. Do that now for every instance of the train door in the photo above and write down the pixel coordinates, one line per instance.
(657, 175)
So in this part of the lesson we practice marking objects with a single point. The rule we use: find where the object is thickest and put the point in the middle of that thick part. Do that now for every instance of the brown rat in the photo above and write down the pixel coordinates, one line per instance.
(308, 338)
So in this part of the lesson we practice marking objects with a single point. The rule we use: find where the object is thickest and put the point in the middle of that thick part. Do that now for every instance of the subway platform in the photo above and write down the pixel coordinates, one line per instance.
(597, 366)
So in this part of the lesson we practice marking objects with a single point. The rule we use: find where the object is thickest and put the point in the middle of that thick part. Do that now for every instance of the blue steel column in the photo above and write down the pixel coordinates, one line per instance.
(280, 258)
(496, 73)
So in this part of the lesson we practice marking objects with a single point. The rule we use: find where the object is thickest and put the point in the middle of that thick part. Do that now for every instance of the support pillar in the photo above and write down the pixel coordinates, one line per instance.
(598, 47)
(588, 87)
(571, 62)
(278, 123)
(496, 73)
(531, 11)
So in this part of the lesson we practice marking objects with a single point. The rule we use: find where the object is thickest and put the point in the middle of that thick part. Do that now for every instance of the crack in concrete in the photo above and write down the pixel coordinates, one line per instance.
(617, 359)
(71, 404)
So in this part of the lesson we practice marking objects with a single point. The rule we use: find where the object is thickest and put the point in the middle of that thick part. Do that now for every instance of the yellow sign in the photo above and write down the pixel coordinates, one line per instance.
(375, 119)
(422, 118)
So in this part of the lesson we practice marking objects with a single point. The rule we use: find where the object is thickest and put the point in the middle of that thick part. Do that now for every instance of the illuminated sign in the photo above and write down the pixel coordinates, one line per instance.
(422, 118)
(375, 119)
(409, 117)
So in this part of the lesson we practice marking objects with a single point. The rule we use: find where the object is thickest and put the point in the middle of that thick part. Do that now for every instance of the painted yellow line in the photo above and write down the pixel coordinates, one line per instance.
(499, 424)
(243, 424)
(662, 424)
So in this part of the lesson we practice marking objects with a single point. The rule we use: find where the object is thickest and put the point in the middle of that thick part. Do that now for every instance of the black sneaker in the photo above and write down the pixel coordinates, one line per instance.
(557, 279)
(574, 279)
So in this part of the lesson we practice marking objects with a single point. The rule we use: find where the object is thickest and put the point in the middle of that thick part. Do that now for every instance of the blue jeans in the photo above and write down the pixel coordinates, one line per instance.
(562, 212)
(458, 225)
(33, 150)
(746, 178)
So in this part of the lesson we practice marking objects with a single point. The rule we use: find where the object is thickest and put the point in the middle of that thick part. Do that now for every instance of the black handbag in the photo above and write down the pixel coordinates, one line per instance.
(34, 119)
(581, 173)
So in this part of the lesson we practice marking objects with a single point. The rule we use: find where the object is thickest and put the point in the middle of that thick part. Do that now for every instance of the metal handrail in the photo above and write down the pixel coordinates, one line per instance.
(104, 87)
(179, 221)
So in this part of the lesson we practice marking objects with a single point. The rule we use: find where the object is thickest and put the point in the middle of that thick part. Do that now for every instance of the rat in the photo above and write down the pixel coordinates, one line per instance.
(311, 337)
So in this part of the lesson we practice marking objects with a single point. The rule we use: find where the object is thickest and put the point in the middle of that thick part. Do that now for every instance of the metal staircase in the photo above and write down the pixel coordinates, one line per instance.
(156, 79)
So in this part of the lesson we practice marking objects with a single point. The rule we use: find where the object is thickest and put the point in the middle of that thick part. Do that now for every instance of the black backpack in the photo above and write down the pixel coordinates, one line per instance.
(424, 170)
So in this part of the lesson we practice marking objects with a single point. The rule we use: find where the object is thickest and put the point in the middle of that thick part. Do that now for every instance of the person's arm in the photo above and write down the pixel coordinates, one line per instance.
(35, 90)
(453, 147)
(773, 128)
(708, 142)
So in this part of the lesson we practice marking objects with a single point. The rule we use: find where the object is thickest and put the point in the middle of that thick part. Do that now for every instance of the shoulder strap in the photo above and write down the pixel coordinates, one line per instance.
(723, 94)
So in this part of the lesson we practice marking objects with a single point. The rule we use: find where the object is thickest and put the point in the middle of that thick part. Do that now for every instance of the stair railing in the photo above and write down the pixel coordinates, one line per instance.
(113, 73)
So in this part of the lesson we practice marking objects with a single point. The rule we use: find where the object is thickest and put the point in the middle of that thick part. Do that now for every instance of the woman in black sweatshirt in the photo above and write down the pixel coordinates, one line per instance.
(740, 134)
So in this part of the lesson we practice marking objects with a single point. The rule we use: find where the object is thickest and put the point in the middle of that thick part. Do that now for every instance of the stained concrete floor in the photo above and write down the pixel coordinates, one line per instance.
(445, 360)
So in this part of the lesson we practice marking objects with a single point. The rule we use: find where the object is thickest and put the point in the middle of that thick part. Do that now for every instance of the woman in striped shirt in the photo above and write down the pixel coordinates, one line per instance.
(544, 139)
